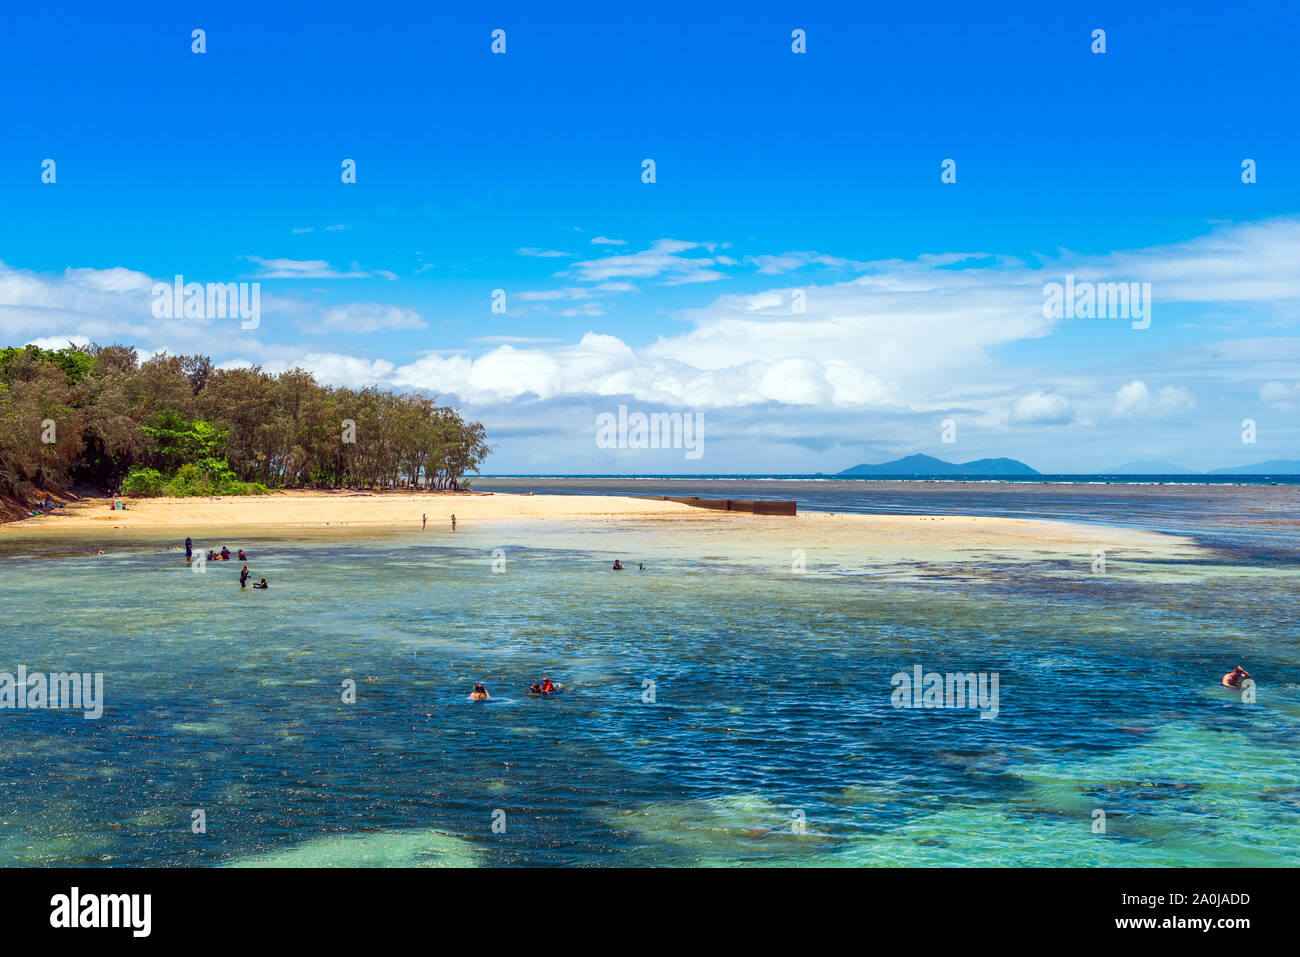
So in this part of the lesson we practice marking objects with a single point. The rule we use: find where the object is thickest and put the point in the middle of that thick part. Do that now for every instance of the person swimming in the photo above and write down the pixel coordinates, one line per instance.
(213, 556)
(1234, 677)
(242, 556)
(479, 693)
(547, 686)
(225, 553)
(618, 565)
(261, 584)
(243, 577)
(641, 565)
(534, 688)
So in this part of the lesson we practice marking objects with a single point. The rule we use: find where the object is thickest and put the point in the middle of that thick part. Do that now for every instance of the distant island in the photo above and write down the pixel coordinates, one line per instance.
(927, 466)
(1271, 467)
(914, 466)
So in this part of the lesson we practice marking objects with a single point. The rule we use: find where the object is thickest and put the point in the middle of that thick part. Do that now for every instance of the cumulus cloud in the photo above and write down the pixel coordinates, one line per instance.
(1042, 408)
(1281, 395)
(1136, 399)
(58, 342)
(903, 338)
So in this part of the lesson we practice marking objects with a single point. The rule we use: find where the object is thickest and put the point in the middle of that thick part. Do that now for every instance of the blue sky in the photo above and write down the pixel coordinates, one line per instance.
(775, 172)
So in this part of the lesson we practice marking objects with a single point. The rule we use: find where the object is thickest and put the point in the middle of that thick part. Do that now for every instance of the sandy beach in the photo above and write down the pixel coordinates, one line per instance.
(345, 511)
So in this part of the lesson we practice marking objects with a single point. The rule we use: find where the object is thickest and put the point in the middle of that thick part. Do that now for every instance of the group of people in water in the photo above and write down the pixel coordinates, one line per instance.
(546, 687)
(224, 556)
(538, 689)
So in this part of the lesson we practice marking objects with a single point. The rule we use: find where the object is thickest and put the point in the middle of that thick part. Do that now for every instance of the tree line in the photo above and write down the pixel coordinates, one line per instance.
(179, 425)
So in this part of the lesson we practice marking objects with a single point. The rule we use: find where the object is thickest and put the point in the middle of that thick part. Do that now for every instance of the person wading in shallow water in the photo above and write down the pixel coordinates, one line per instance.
(243, 577)
(453, 521)
(189, 548)
(424, 522)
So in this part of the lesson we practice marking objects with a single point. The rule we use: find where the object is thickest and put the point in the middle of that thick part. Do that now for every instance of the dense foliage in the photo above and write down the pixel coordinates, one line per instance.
(175, 425)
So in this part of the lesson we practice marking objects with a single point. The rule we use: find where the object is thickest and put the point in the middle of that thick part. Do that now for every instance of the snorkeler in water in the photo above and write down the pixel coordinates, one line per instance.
(261, 584)
(1234, 677)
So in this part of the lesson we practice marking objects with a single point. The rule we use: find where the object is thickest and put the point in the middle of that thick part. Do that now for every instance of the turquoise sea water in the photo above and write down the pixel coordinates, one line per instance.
(771, 738)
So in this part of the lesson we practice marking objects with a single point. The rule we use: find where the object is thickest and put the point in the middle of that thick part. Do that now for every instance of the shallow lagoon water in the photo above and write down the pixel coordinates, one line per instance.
(771, 739)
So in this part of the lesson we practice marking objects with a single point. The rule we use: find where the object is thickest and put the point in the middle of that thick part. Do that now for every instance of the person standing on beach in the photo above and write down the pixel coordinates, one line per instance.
(424, 522)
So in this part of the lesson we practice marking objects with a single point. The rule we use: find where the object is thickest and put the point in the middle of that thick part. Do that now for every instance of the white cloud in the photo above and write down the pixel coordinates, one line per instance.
(788, 262)
(304, 269)
(1281, 395)
(361, 317)
(58, 342)
(903, 339)
(547, 295)
(1136, 399)
(542, 253)
(606, 241)
(663, 260)
(1042, 408)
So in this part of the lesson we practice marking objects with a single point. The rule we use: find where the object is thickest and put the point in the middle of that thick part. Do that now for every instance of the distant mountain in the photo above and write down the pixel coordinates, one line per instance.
(920, 466)
(1271, 467)
(1149, 468)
